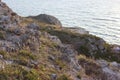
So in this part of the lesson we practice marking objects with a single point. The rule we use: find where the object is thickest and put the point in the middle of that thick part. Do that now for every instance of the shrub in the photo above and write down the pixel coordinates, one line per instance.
(24, 57)
(27, 54)
(32, 75)
(17, 72)
(84, 50)
(3, 53)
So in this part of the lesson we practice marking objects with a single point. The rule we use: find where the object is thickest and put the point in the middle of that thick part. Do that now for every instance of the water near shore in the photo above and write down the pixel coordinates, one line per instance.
(100, 17)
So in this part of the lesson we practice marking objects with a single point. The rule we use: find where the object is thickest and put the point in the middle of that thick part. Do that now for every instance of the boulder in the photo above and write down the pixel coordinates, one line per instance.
(109, 74)
(47, 19)
(68, 52)
(55, 39)
(102, 63)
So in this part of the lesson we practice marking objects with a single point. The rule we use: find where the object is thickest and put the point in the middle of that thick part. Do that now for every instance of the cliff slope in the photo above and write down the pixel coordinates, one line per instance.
(31, 49)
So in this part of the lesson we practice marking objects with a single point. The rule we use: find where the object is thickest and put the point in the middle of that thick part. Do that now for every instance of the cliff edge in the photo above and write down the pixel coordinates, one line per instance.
(39, 48)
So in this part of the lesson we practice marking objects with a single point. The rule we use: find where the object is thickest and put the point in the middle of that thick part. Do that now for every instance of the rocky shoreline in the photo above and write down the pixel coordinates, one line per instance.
(39, 48)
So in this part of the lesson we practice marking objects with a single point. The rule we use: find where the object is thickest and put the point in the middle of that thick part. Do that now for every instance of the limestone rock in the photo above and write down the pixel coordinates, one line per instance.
(103, 63)
(48, 19)
(54, 54)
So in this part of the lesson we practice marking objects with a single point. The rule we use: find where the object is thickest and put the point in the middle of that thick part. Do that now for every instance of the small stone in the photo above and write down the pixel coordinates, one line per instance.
(53, 76)
(17, 31)
(51, 57)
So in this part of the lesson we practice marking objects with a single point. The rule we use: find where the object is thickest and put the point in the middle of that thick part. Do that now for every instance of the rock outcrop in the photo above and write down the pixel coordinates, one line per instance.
(47, 19)
(32, 49)
(84, 43)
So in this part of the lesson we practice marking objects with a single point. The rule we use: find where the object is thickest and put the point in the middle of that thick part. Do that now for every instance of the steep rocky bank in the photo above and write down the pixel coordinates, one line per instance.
(39, 48)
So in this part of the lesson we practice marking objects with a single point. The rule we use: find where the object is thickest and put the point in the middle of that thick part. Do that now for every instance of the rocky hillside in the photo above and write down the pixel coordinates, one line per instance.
(39, 48)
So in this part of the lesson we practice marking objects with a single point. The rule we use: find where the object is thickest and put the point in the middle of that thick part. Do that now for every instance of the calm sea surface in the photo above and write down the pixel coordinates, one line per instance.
(100, 17)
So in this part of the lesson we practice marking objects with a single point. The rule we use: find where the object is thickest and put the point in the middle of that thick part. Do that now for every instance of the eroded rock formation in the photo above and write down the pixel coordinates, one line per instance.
(39, 48)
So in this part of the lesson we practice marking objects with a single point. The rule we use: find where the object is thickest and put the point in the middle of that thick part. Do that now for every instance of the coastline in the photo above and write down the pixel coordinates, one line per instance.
(40, 48)
(104, 26)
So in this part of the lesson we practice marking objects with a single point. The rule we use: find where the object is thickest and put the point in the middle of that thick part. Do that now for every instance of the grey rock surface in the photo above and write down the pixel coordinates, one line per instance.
(47, 19)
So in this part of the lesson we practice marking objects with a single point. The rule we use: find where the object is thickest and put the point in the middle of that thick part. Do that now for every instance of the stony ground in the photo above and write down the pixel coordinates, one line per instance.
(39, 48)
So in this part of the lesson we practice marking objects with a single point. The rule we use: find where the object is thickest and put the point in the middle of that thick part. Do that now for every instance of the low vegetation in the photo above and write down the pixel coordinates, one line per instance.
(72, 59)
(90, 66)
